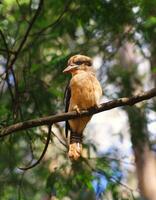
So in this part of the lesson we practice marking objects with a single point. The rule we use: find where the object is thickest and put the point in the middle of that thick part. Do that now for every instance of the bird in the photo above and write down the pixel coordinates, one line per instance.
(82, 92)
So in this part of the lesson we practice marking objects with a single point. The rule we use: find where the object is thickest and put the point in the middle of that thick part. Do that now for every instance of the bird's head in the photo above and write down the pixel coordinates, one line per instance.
(78, 62)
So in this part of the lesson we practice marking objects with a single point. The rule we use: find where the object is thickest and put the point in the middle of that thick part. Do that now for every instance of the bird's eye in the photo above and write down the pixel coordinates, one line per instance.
(78, 63)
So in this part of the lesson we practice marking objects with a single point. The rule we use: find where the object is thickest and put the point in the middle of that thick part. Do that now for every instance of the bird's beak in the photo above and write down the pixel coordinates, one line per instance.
(69, 68)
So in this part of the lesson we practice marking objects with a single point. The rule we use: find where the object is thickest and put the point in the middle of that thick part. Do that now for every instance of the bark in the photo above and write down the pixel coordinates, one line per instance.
(71, 115)
(144, 158)
(146, 171)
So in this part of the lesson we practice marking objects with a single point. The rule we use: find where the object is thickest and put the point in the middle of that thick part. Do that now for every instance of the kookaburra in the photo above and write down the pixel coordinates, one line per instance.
(83, 92)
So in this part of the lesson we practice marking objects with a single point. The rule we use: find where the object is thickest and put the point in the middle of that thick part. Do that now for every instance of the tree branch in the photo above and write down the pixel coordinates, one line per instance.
(6, 71)
(26, 34)
(72, 115)
(43, 152)
(11, 62)
(53, 24)
(5, 43)
(5, 51)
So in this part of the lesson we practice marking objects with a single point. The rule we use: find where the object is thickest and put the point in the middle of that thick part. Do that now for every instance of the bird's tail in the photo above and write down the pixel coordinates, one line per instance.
(75, 147)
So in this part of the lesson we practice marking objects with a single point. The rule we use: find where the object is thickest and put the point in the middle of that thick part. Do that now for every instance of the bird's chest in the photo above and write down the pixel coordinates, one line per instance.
(82, 91)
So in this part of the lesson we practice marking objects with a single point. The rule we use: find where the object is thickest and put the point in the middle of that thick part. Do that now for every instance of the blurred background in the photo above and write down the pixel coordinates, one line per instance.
(36, 40)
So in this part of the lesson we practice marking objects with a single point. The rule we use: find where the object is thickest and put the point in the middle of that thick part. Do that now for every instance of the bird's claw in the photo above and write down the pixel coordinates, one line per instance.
(76, 108)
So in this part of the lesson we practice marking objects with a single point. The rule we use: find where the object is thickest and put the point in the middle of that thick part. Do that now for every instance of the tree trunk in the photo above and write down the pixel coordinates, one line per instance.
(144, 158)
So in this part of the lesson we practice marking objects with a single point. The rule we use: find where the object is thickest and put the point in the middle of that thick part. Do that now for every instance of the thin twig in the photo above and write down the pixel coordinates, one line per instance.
(10, 51)
(59, 140)
(26, 34)
(9, 65)
(5, 43)
(109, 177)
(121, 160)
(43, 153)
(53, 24)
(8, 59)
(2, 87)
(20, 8)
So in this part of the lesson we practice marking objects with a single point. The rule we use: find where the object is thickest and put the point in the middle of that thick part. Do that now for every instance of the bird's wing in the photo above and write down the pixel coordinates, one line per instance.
(67, 96)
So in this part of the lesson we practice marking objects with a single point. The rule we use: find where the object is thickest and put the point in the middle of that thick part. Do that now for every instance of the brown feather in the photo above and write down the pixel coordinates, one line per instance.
(84, 91)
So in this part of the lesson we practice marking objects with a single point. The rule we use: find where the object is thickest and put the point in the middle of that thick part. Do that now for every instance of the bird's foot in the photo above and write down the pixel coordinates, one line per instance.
(75, 150)
(76, 108)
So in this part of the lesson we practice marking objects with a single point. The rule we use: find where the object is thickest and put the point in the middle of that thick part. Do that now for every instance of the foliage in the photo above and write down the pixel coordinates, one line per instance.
(33, 86)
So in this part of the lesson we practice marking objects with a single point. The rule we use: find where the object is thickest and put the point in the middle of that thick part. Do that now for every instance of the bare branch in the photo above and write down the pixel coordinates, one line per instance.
(72, 115)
